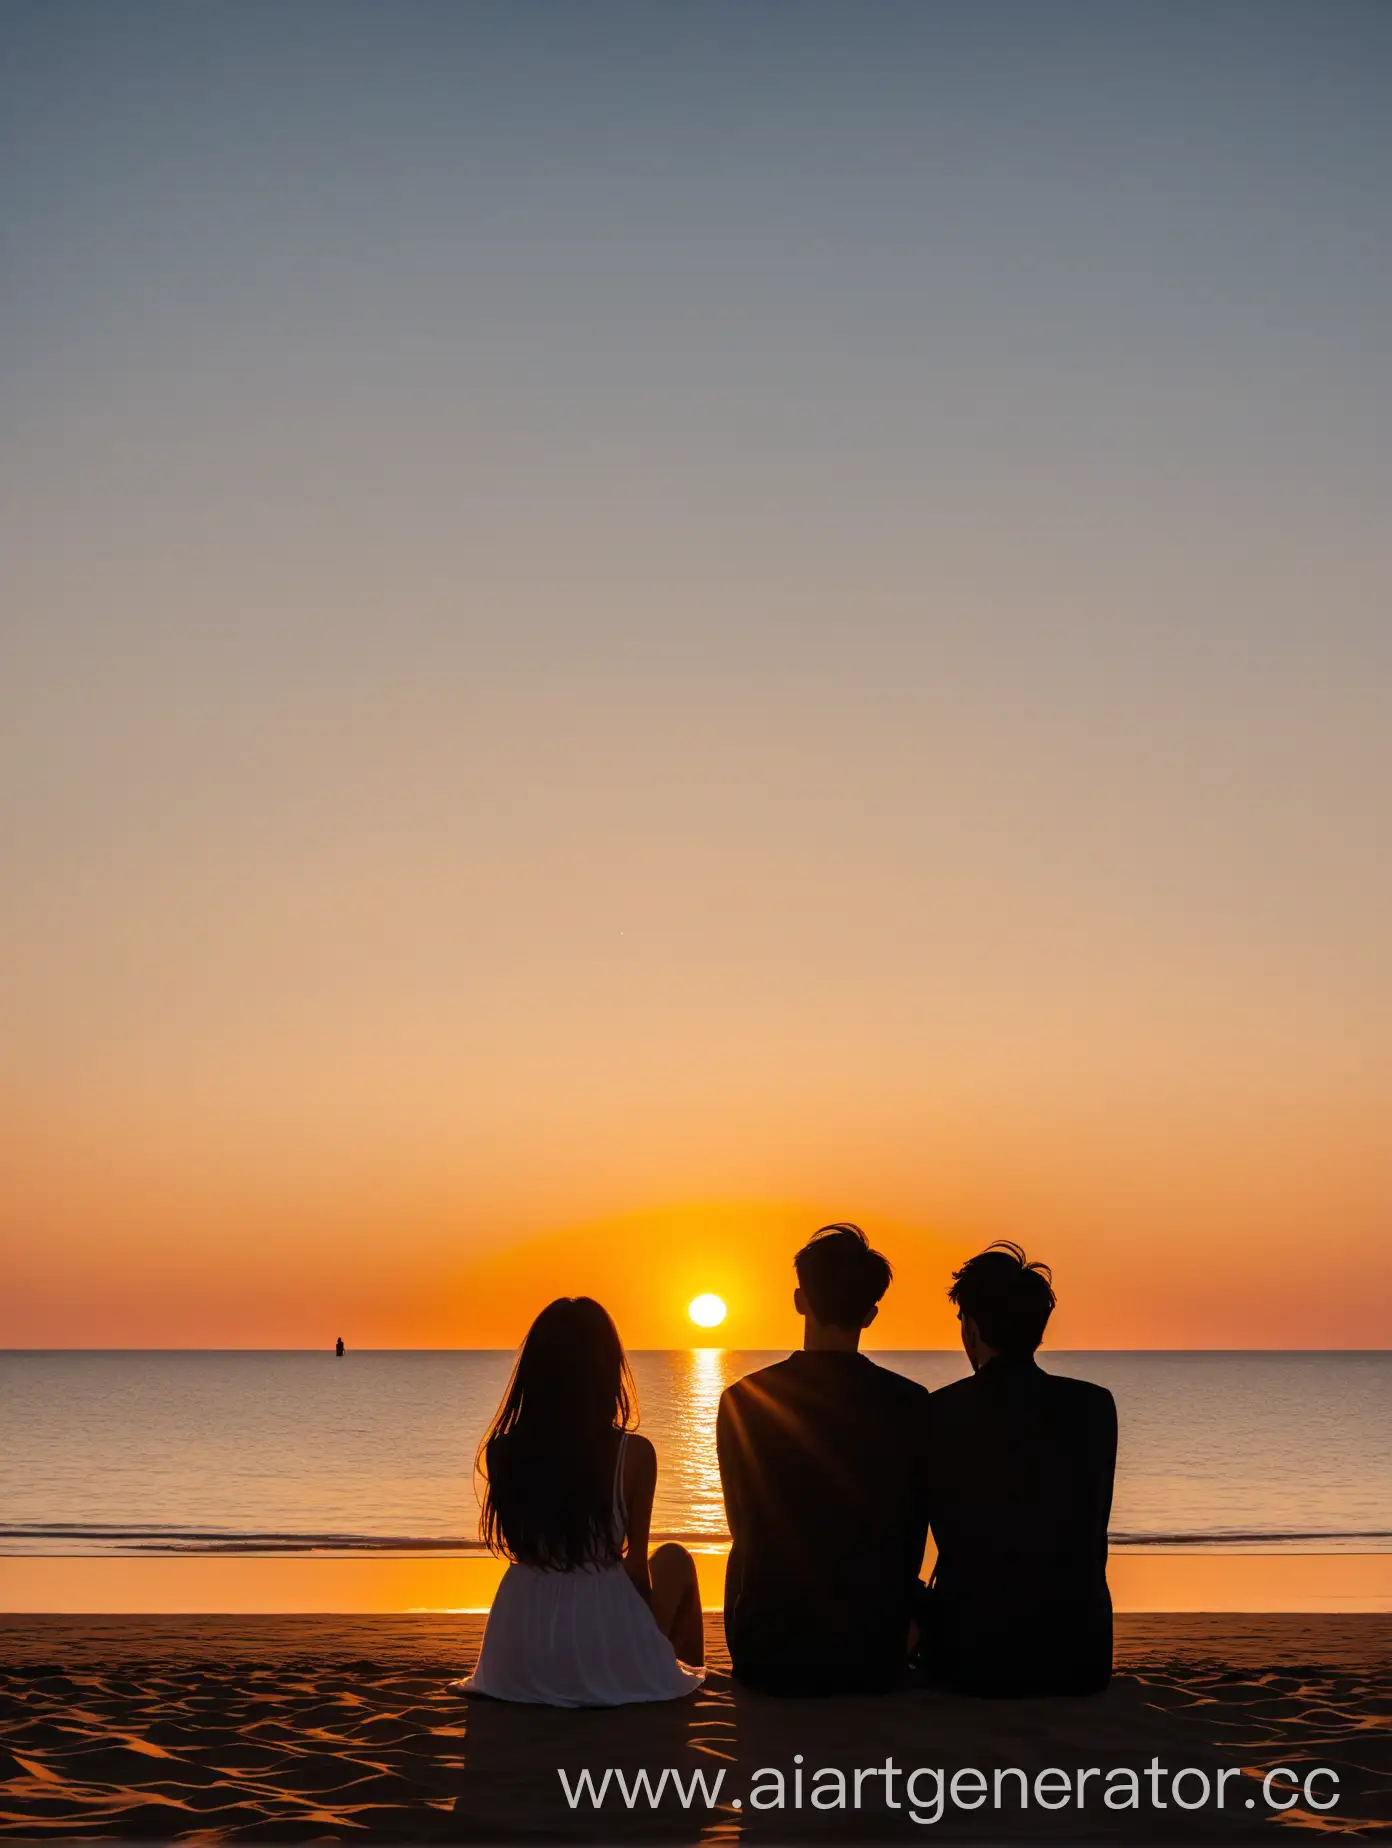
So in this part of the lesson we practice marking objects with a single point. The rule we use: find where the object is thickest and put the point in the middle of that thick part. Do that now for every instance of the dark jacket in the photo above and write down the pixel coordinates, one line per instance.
(1021, 1473)
(823, 1466)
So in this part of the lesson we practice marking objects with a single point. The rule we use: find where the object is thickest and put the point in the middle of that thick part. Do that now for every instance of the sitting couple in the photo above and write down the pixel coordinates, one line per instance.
(834, 1469)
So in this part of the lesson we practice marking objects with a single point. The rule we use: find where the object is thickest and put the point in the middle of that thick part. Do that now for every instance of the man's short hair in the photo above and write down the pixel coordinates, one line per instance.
(841, 1275)
(1008, 1298)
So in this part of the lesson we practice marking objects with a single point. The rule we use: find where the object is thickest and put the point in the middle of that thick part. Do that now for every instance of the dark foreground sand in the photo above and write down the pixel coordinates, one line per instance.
(320, 1728)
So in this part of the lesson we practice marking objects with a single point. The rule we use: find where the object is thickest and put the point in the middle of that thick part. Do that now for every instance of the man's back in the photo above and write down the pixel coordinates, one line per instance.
(823, 1466)
(1021, 1471)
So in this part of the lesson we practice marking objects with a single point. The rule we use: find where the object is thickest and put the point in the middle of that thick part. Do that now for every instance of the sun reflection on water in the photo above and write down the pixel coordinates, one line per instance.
(681, 1395)
(707, 1382)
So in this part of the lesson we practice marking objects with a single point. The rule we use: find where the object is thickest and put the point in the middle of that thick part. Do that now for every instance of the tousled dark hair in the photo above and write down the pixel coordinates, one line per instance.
(841, 1275)
(547, 1461)
(1009, 1298)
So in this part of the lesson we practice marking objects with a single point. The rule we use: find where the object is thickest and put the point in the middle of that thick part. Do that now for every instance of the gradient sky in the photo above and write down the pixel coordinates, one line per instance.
(664, 618)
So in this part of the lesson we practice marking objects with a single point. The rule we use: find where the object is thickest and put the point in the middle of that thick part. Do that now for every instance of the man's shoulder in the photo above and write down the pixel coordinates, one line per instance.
(1085, 1394)
(791, 1375)
(955, 1395)
(1082, 1398)
(897, 1386)
(760, 1381)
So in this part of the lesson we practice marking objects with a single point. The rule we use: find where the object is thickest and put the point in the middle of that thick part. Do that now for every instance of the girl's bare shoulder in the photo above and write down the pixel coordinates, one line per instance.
(640, 1458)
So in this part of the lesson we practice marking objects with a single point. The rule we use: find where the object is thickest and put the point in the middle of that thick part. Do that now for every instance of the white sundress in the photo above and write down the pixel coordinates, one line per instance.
(580, 1638)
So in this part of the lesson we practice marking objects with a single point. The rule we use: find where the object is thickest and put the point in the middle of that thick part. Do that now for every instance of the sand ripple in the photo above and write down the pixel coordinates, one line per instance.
(207, 1730)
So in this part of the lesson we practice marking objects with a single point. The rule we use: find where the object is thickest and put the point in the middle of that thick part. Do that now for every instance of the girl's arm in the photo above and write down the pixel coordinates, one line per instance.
(638, 1483)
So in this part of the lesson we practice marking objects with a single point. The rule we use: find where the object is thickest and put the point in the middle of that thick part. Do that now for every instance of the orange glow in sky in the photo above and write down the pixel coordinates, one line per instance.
(616, 645)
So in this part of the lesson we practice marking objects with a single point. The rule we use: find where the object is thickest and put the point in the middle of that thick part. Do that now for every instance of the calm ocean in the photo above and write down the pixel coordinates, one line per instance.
(134, 1452)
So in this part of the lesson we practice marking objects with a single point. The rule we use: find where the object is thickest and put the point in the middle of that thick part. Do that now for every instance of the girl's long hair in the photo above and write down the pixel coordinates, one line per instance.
(547, 1462)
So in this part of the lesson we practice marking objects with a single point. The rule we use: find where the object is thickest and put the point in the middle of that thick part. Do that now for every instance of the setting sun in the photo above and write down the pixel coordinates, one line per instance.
(706, 1311)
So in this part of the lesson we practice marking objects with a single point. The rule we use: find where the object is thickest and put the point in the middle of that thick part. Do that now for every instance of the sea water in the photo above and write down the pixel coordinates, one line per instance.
(140, 1452)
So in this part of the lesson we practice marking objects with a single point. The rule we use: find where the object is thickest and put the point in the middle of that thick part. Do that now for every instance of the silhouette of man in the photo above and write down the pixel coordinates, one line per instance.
(1021, 1472)
(822, 1464)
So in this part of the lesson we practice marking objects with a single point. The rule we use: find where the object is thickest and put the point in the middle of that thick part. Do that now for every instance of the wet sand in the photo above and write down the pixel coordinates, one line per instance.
(336, 1728)
(1141, 1579)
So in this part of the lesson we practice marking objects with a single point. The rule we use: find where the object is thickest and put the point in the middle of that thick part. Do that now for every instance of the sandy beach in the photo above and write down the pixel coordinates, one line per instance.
(323, 1728)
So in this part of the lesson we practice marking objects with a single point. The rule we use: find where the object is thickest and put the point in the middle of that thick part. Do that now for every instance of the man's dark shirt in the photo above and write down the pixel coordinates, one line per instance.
(1021, 1473)
(823, 1466)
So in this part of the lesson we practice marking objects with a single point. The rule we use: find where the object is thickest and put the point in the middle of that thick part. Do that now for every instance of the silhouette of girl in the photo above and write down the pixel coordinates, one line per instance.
(583, 1617)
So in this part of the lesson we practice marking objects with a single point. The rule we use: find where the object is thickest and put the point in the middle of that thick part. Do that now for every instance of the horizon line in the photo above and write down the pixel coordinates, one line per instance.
(693, 1348)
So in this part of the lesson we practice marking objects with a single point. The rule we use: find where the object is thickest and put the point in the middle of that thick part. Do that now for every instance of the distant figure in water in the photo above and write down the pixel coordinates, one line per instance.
(583, 1617)
(1020, 1490)
(338, 1349)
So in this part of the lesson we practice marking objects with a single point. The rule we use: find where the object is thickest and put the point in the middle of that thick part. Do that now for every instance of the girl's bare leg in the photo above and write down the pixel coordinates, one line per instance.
(676, 1601)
